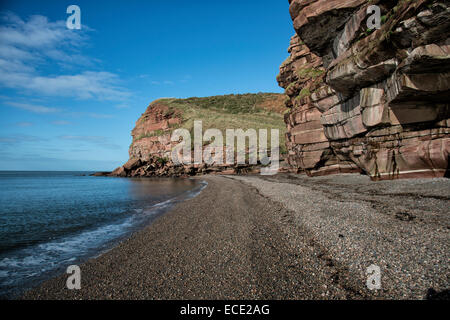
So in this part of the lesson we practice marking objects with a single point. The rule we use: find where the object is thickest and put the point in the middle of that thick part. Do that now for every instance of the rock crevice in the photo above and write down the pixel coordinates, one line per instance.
(370, 101)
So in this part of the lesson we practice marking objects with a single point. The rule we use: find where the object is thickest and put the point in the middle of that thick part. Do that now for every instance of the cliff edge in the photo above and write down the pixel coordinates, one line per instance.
(150, 150)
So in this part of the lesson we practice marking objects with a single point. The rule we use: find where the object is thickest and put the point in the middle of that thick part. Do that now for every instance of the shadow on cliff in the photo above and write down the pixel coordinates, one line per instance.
(447, 172)
(435, 295)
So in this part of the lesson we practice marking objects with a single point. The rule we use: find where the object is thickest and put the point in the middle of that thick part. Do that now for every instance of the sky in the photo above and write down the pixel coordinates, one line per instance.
(69, 98)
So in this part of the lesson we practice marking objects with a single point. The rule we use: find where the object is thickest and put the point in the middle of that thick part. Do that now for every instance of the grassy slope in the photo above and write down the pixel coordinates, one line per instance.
(257, 111)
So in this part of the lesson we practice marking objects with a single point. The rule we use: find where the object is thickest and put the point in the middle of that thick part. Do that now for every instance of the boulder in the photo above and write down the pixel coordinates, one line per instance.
(119, 172)
(132, 164)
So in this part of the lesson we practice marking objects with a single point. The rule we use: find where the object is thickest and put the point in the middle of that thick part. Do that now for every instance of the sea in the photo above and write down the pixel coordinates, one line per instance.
(51, 220)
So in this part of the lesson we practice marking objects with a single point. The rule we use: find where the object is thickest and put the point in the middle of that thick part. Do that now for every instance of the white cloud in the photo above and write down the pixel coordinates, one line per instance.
(90, 115)
(100, 141)
(32, 107)
(86, 85)
(37, 32)
(14, 139)
(27, 47)
(122, 106)
(24, 124)
(61, 123)
(99, 115)
(186, 78)
(63, 112)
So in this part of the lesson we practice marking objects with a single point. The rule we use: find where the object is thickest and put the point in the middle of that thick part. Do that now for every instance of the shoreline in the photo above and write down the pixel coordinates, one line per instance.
(97, 240)
(280, 237)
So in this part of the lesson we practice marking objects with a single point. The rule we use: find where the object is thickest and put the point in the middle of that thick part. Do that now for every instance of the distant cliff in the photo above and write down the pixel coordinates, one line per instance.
(371, 101)
(150, 150)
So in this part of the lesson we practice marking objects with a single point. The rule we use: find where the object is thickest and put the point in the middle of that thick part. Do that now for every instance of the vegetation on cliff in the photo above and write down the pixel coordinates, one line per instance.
(150, 151)
(245, 111)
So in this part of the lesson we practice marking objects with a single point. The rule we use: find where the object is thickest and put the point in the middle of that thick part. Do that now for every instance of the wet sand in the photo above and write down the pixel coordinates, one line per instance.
(281, 237)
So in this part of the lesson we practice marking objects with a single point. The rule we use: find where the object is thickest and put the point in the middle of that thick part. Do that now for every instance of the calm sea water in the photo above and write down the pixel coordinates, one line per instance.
(50, 220)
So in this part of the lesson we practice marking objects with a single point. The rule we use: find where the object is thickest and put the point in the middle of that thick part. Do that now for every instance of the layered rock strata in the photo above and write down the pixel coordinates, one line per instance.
(150, 153)
(374, 101)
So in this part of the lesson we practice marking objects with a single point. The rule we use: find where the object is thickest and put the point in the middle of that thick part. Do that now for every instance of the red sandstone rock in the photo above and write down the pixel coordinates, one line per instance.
(119, 172)
(151, 148)
(381, 106)
(132, 164)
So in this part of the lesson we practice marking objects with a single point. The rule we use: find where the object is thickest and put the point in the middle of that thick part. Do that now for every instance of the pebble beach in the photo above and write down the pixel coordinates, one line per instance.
(281, 237)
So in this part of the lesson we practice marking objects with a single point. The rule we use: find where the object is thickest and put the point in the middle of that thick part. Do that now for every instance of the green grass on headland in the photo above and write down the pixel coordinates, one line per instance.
(246, 111)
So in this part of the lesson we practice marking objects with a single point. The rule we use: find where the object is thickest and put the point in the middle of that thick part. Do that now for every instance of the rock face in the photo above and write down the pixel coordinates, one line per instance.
(374, 101)
(151, 148)
(151, 135)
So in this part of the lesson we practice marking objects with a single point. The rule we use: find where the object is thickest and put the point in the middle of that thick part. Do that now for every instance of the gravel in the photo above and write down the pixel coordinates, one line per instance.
(281, 237)
(402, 226)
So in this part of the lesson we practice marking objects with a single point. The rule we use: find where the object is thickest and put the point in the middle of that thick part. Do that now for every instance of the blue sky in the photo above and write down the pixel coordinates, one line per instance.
(70, 98)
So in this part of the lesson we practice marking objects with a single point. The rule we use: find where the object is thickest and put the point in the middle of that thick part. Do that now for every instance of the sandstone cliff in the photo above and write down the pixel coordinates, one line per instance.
(150, 150)
(371, 101)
